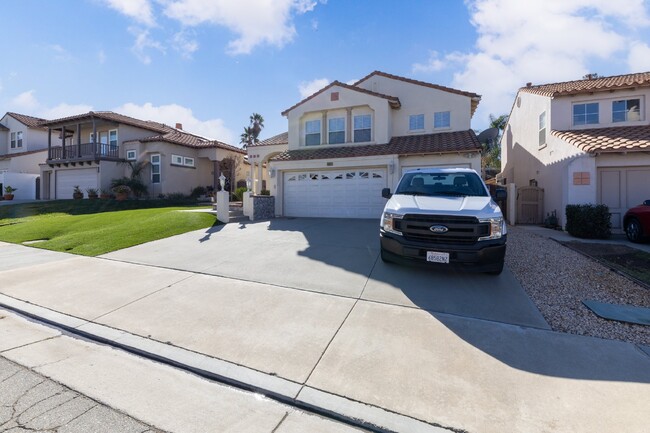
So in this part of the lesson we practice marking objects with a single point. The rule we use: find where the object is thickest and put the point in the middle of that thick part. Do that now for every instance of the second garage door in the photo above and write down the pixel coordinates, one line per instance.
(66, 180)
(621, 189)
(335, 194)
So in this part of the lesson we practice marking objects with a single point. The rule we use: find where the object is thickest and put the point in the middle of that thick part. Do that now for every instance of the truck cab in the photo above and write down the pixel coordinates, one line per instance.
(444, 217)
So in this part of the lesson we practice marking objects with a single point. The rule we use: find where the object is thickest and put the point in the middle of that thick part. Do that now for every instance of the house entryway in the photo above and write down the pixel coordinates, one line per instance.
(352, 193)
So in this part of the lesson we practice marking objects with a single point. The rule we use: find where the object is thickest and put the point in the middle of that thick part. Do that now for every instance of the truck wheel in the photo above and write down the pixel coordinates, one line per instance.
(497, 269)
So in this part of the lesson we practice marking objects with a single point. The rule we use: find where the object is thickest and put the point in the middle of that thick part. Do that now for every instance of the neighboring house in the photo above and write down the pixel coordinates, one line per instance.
(346, 143)
(23, 145)
(584, 141)
(89, 150)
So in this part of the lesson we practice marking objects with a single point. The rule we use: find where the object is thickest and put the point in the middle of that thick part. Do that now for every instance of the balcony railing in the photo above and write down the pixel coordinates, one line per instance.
(84, 152)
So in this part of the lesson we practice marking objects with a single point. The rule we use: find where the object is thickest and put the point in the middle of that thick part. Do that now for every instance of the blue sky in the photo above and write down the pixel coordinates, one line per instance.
(209, 64)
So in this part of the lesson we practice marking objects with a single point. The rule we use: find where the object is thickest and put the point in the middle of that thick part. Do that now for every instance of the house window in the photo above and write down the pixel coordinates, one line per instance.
(416, 122)
(362, 128)
(91, 138)
(189, 162)
(112, 137)
(585, 114)
(336, 130)
(13, 140)
(131, 155)
(542, 129)
(177, 160)
(626, 110)
(312, 132)
(442, 119)
(155, 168)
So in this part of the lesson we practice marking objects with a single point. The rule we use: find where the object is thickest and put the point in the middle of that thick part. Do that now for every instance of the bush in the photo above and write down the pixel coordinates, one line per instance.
(588, 221)
(137, 187)
(198, 191)
(265, 192)
(239, 193)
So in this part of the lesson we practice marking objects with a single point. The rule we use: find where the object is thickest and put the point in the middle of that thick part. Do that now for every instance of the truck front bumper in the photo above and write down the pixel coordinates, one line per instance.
(481, 256)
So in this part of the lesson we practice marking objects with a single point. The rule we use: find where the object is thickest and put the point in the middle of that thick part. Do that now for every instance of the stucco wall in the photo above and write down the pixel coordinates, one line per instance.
(33, 139)
(27, 163)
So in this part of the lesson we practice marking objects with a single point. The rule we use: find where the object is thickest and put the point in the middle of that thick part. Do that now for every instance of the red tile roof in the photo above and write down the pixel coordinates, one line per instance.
(30, 121)
(111, 117)
(276, 139)
(186, 139)
(601, 84)
(445, 142)
(615, 139)
(3, 128)
(476, 98)
(392, 100)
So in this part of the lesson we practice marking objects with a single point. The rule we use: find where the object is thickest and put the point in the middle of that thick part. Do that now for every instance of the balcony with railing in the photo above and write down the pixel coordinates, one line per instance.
(83, 152)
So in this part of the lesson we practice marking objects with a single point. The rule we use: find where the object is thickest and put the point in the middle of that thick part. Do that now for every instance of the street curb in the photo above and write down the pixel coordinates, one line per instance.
(322, 403)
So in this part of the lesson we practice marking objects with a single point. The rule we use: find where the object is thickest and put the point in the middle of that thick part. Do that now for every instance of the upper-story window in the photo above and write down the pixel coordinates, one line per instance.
(155, 168)
(626, 110)
(542, 129)
(442, 119)
(312, 132)
(17, 140)
(416, 122)
(362, 128)
(131, 155)
(585, 114)
(112, 137)
(336, 130)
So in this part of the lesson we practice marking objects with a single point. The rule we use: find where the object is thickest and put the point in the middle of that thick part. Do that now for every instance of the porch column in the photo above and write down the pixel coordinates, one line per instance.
(63, 150)
(258, 187)
(49, 143)
(252, 176)
(79, 140)
(94, 138)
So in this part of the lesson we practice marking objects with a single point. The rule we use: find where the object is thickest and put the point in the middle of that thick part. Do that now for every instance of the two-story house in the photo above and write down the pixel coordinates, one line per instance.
(347, 142)
(90, 149)
(584, 141)
(23, 145)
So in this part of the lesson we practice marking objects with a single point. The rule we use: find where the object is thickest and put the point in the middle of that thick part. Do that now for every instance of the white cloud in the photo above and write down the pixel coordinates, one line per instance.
(139, 10)
(538, 41)
(60, 53)
(101, 57)
(308, 88)
(173, 113)
(434, 64)
(143, 44)
(185, 43)
(254, 22)
(27, 103)
(639, 57)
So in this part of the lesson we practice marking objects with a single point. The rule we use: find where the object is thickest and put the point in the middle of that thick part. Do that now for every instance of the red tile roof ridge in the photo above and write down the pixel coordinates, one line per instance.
(588, 85)
(418, 82)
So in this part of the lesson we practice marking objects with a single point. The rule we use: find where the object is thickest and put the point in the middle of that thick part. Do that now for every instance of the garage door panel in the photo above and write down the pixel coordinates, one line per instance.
(351, 193)
(638, 187)
(622, 188)
(66, 180)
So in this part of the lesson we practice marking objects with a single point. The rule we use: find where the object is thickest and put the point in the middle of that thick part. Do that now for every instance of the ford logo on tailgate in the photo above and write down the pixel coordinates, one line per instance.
(439, 229)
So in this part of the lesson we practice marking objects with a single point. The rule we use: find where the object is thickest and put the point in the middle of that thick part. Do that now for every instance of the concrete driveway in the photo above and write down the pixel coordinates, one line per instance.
(304, 308)
(336, 257)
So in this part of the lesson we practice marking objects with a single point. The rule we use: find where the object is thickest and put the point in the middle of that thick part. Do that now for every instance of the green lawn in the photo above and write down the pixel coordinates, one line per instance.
(92, 228)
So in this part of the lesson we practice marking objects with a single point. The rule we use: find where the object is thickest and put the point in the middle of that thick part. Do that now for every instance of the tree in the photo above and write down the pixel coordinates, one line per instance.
(491, 150)
(252, 131)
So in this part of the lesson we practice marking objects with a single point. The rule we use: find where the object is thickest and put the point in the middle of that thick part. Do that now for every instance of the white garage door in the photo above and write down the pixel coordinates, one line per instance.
(66, 180)
(350, 193)
(621, 189)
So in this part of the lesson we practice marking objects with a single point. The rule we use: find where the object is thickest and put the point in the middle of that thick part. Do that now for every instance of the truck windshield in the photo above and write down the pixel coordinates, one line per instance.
(441, 184)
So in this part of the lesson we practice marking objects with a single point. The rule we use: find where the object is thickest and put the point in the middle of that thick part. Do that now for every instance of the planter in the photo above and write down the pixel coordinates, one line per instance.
(77, 195)
(8, 196)
(121, 196)
(92, 196)
(104, 196)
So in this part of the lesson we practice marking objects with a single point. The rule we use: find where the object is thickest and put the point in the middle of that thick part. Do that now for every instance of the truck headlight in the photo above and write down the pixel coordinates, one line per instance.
(497, 228)
(388, 222)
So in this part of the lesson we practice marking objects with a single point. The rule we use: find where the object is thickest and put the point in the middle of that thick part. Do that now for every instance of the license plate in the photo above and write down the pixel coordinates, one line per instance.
(436, 257)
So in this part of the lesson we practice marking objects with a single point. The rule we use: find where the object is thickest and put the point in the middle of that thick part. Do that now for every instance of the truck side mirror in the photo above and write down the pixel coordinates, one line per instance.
(500, 194)
(385, 193)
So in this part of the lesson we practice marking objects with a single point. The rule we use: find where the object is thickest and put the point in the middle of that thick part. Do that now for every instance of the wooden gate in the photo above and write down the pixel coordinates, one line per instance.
(530, 205)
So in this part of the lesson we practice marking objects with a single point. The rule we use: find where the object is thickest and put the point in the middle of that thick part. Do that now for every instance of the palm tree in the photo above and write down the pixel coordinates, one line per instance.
(491, 153)
(251, 133)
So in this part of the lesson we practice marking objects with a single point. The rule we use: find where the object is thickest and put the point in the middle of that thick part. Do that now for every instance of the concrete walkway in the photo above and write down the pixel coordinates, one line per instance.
(353, 341)
(562, 236)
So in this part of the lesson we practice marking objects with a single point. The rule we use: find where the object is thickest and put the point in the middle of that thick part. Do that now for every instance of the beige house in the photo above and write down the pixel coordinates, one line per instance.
(23, 145)
(345, 143)
(89, 150)
(584, 141)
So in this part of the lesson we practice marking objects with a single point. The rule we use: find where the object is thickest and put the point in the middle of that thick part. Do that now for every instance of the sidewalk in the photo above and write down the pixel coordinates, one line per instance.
(397, 367)
(562, 236)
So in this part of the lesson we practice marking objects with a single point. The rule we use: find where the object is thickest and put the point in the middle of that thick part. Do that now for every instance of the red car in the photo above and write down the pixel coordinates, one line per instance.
(637, 222)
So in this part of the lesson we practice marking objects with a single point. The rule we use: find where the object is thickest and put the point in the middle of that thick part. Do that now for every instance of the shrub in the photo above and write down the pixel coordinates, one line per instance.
(265, 192)
(239, 193)
(176, 196)
(135, 185)
(198, 191)
(588, 221)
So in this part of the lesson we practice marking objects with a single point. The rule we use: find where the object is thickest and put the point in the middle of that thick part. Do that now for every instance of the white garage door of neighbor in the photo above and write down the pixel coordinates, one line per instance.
(352, 193)
(66, 180)
(621, 189)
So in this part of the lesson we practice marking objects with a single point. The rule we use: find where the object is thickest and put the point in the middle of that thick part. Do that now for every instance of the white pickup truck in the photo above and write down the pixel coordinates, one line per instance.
(444, 217)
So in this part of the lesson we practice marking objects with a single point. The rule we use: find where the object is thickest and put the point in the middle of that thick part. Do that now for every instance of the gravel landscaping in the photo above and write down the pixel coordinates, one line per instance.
(558, 279)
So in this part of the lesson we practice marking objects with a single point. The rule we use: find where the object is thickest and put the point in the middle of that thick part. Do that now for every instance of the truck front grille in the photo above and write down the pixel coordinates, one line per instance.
(460, 229)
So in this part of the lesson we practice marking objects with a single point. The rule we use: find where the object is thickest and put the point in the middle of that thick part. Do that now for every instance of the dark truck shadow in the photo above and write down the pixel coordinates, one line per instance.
(492, 313)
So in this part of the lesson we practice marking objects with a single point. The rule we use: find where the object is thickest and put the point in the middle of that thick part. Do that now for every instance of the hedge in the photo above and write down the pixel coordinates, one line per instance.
(588, 221)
